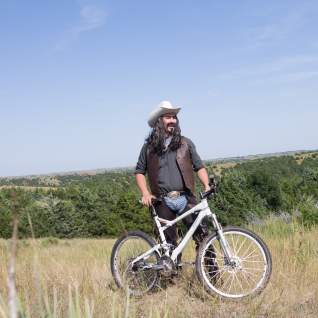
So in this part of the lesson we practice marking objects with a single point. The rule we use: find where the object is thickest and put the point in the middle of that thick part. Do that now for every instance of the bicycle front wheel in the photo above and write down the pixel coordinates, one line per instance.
(137, 277)
(245, 274)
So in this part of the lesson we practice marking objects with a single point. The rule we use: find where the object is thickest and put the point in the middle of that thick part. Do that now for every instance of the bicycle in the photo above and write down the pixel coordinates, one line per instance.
(231, 262)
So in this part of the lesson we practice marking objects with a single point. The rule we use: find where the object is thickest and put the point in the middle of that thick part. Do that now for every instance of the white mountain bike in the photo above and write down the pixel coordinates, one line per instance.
(231, 262)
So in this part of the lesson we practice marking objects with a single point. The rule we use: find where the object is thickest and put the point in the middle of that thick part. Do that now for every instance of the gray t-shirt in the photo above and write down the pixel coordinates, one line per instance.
(169, 176)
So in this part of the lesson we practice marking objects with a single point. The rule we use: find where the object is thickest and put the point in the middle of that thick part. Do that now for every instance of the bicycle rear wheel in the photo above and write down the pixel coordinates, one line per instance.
(245, 274)
(137, 278)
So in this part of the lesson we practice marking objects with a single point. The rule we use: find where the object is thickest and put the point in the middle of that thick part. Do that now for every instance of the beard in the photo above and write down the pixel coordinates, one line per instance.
(171, 128)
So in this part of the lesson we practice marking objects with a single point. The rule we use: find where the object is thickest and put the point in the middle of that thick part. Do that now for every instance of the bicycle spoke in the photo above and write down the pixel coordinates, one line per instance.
(250, 275)
(226, 282)
(241, 246)
(220, 259)
(239, 282)
(252, 255)
(218, 271)
(231, 282)
(247, 253)
(253, 269)
(222, 274)
(216, 251)
(246, 278)
(250, 281)
(247, 250)
(248, 261)
(234, 244)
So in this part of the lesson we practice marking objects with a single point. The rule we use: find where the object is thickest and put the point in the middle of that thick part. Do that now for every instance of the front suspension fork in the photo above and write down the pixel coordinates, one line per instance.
(223, 242)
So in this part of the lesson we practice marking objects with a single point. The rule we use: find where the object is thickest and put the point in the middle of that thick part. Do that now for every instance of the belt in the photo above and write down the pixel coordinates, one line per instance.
(174, 194)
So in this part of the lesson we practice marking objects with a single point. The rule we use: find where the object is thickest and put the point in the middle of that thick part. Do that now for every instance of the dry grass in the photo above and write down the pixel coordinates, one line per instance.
(300, 157)
(72, 278)
(219, 167)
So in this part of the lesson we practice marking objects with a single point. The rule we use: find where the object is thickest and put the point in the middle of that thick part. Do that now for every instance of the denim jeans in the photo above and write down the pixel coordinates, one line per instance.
(177, 205)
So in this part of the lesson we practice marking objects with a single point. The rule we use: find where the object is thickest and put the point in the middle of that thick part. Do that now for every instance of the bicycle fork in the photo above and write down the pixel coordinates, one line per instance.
(223, 242)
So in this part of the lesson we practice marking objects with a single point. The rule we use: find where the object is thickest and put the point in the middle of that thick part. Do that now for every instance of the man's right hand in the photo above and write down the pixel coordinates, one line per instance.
(146, 199)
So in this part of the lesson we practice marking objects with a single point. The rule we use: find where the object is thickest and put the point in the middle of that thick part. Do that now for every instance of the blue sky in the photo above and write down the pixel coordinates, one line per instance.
(78, 79)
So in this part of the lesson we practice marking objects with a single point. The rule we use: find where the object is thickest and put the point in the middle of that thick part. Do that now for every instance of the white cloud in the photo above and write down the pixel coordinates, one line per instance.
(280, 24)
(297, 76)
(297, 67)
(276, 31)
(91, 18)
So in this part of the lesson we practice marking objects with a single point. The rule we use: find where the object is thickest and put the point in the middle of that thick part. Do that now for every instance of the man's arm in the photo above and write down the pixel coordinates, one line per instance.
(140, 171)
(204, 178)
(142, 185)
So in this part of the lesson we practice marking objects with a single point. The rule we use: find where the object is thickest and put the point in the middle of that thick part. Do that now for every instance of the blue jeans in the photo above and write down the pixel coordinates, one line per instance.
(177, 205)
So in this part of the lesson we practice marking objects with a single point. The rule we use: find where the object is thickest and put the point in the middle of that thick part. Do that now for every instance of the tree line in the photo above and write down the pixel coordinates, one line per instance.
(107, 204)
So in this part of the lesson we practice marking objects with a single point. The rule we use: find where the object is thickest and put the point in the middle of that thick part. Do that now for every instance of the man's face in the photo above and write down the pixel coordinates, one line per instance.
(169, 123)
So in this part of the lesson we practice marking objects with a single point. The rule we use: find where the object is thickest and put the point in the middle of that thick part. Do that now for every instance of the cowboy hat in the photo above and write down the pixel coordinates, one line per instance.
(164, 107)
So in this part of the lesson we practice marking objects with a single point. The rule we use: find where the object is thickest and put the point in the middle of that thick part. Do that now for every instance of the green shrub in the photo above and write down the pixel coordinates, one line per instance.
(309, 211)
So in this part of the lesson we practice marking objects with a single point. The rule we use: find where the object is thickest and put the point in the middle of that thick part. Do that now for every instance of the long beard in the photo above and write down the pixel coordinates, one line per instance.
(171, 129)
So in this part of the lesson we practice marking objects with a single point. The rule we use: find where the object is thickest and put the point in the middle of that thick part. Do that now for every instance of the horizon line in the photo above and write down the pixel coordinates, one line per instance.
(114, 169)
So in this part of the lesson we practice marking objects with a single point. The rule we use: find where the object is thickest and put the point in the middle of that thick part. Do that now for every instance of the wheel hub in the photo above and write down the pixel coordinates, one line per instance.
(138, 266)
(234, 264)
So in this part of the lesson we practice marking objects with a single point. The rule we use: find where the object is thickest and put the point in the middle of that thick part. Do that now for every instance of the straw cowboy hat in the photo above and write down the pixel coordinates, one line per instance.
(164, 107)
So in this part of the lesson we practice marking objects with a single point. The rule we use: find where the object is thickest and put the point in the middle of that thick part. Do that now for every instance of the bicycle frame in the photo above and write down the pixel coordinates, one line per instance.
(204, 211)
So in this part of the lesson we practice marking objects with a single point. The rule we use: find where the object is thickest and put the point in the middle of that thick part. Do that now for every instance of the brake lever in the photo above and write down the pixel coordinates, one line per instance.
(208, 194)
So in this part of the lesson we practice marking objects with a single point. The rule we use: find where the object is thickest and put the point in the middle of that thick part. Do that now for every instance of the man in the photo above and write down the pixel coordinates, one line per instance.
(169, 159)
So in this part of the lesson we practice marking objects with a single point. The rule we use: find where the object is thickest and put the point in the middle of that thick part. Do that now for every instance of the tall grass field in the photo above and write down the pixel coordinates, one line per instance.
(72, 278)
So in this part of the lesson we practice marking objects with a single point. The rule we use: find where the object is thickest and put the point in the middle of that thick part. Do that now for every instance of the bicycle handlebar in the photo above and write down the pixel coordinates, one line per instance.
(212, 183)
(213, 188)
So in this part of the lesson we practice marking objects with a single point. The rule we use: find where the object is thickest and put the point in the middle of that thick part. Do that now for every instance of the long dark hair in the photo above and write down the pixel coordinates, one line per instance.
(156, 138)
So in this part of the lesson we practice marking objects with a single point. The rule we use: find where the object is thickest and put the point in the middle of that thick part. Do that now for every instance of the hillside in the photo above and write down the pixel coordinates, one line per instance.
(106, 204)
(64, 178)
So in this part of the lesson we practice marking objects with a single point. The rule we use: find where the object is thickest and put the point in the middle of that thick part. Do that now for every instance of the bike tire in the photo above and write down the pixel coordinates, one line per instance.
(125, 249)
(250, 269)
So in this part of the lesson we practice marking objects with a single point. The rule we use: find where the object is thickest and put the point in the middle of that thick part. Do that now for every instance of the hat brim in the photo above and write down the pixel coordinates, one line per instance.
(160, 112)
